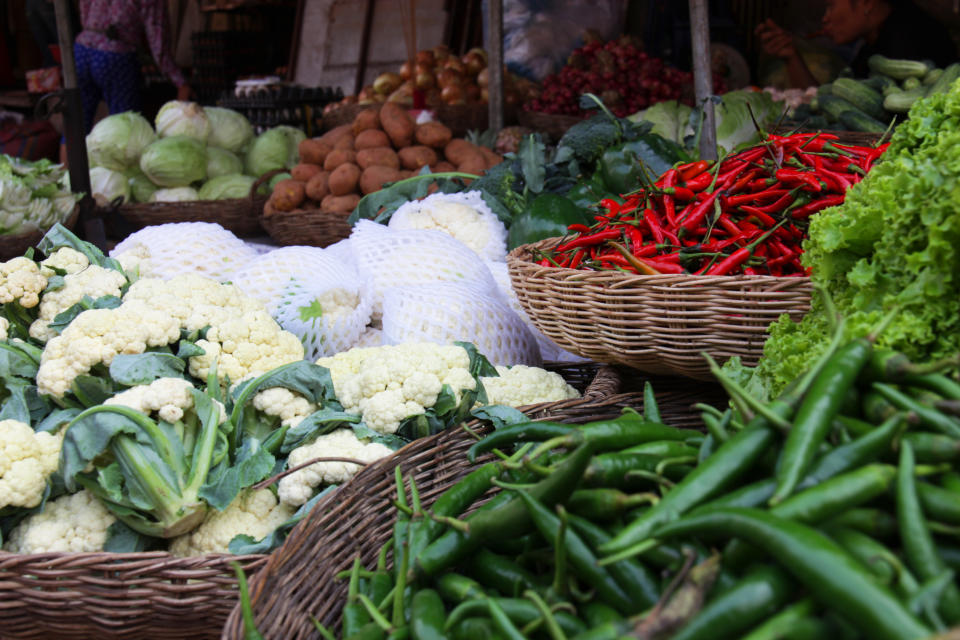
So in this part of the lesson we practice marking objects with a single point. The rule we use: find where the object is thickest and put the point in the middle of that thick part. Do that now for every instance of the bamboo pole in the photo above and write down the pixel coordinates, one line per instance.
(703, 76)
(494, 46)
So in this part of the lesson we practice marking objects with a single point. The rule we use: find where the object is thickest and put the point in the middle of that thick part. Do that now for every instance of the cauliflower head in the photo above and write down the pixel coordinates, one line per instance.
(4, 328)
(298, 487)
(465, 216)
(521, 385)
(21, 281)
(390, 383)
(290, 406)
(65, 259)
(255, 513)
(71, 523)
(168, 398)
(27, 458)
(92, 281)
(168, 250)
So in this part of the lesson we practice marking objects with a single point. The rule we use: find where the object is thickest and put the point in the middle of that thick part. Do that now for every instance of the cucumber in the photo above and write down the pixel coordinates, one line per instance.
(817, 122)
(932, 76)
(911, 83)
(946, 79)
(832, 107)
(879, 82)
(891, 89)
(901, 102)
(859, 95)
(897, 69)
(859, 121)
(824, 89)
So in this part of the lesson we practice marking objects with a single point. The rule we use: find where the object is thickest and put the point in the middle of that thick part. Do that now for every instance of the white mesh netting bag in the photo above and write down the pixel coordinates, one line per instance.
(465, 216)
(179, 248)
(550, 351)
(449, 311)
(387, 258)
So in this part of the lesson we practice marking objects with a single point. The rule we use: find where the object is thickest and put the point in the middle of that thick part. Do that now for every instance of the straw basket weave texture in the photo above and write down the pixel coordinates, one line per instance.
(299, 579)
(311, 227)
(117, 595)
(659, 324)
(12, 246)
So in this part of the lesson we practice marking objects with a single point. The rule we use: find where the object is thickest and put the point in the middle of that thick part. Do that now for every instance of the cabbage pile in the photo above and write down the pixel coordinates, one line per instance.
(33, 195)
(189, 153)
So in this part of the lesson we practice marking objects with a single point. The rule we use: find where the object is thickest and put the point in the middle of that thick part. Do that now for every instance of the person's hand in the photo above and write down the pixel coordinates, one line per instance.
(774, 40)
(184, 92)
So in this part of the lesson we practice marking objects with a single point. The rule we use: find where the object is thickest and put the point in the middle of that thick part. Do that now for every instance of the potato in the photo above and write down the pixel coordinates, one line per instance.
(458, 149)
(319, 186)
(491, 157)
(379, 156)
(404, 174)
(433, 134)
(417, 156)
(330, 137)
(337, 157)
(287, 195)
(473, 163)
(371, 139)
(374, 176)
(303, 172)
(397, 123)
(313, 151)
(340, 204)
(344, 142)
(343, 179)
(366, 120)
(443, 167)
(269, 210)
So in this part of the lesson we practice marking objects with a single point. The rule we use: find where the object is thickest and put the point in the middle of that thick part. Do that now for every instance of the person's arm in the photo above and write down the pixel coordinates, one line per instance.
(779, 42)
(157, 28)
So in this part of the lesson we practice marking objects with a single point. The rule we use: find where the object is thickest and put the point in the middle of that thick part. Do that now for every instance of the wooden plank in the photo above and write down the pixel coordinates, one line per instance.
(494, 46)
(703, 76)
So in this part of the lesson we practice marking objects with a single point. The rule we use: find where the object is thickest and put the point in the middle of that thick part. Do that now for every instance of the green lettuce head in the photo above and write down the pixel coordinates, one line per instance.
(176, 161)
(117, 141)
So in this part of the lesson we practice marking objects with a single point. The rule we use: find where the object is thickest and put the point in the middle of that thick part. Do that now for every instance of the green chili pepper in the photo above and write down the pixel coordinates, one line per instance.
(604, 504)
(873, 522)
(369, 631)
(479, 628)
(454, 587)
(929, 417)
(628, 470)
(795, 622)
(455, 501)
(933, 448)
(354, 615)
(874, 556)
(498, 572)
(427, 616)
(829, 573)
(519, 611)
(940, 504)
(664, 449)
(650, 409)
(597, 613)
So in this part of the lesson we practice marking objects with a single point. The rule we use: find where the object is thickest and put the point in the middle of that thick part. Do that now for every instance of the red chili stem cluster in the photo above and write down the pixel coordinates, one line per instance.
(746, 215)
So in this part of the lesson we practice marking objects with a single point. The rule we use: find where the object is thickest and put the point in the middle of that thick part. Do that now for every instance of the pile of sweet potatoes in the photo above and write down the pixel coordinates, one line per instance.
(383, 144)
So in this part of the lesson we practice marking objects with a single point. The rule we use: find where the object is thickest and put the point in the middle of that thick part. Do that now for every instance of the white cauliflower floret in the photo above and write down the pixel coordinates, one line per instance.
(390, 383)
(73, 523)
(168, 250)
(169, 398)
(255, 513)
(521, 385)
(465, 216)
(27, 458)
(21, 281)
(92, 281)
(298, 487)
(4, 328)
(290, 406)
(66, 259)
(370, 338)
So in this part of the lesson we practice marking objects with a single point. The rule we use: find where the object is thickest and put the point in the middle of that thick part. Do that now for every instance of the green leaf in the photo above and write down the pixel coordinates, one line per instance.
(317, 423)
(312, 311)
(143, 368)
(244, 544)
(64, 318)
(188, 349)
(55, 420)
(532, 154)
(421, 426)
(15, 406)
(499, 415)
(380, 205)
(91, 390)
(390, 440)
(310, 380)
(446, 401)
(55, 283)
(89, 435)
(479, 365)
(253, 463)
(59, 236)
(16, 363)
(123, 539)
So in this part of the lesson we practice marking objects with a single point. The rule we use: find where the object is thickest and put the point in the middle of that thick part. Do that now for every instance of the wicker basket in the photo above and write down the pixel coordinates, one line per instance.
(12, 246)
(312, 227)
(117, 595)
(658, 324)
(460, 118)
(298, 580)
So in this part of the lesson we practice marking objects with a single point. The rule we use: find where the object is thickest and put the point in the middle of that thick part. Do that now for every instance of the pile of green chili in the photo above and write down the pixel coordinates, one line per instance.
(832, 511)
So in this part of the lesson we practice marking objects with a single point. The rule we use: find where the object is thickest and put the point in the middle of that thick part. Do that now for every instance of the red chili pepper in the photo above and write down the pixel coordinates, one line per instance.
(653, 223)
(669, 180)
(730, 226)
(593, 238)
(579, 228)
(612, 206)
(743, 181)
(680, 193)
(544, 262)
(815, 141)
(777, 206)
(692, 169)
(739, 256)
(701, 182)
(761, 216)
(576, 259)
(791, 176)
(837, 181)
(698, 213)
(817, 205)
(635, 237)
(750, 271)
(665, 266)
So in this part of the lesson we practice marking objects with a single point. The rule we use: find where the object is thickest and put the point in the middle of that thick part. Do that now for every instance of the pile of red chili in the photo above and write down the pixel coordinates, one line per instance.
(744, 215)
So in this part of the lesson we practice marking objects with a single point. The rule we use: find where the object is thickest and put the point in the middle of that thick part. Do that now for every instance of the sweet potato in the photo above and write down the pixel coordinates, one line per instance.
(337, 157)
(343, 179)
(269, 210)
(330, 137)
(313, 151)
(397, 123)
(365, 120)
(404, 174)
(417, 156)
(341, 204)
(379, 156)
(371, 139)
(303, 172)
(458, 149)
(433, 134)
(344, 142)
(287, 195)
(442, 167)
(491, 157)
(374, 176)
(318, 187)
(473, 163)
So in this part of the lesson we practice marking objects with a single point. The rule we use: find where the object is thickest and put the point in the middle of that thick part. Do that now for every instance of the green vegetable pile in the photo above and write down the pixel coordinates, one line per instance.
(33, 195)
(893, 245)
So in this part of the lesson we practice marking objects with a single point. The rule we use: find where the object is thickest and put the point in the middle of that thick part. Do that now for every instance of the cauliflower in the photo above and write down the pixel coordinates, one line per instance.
(255, 513)
(92, 281)
(169, 398)
(289, 406)
(71, 523)
(371, 337)
(242, 336)
(66, 259)
(27, 458)
(390, 383)
(4, 327)
(521, 385)
(297, 488)
(168, 250)
(21, 281)
(465, 216)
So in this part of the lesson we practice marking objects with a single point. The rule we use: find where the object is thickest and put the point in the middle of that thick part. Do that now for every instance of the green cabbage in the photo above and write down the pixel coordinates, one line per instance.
(178, 118)
(117, 141)
(277, 178)
(225, 187)
(175, 162)
(229, 129)
(177, 194)
(276, 148)
(109, 184)
(670, 119)
(221, 162)
(140, 186)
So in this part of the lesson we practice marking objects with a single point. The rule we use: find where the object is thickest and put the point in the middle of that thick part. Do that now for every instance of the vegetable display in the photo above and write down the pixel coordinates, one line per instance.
(746, 214)
(33, 195)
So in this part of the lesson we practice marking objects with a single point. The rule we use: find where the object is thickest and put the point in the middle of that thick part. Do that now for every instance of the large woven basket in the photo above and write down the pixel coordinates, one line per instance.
(299, 579)
(312, 227)
(12, 246)
(461, 119)
(117, 595)
(659, 324)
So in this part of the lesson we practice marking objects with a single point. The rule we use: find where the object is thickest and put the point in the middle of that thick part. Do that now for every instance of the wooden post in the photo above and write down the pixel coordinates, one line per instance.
(703, 76)
(494, 46)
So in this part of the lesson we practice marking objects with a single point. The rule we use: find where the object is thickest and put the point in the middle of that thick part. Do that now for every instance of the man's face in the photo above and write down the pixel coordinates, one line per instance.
(844, 20)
